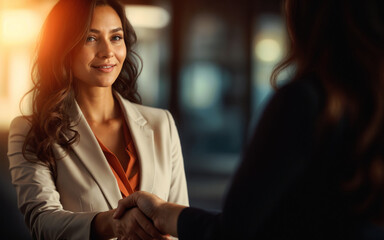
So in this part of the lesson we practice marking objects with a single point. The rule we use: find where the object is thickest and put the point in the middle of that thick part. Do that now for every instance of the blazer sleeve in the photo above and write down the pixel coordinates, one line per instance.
(38, 198)
(178, 190)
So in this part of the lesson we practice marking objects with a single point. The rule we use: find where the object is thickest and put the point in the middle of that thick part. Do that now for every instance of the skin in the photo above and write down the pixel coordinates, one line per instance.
(163, 214)
(96, 66)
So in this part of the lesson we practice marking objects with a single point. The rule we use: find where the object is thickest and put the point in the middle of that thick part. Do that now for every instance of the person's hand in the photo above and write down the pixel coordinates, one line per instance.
(148, 203)
(133, 224)
(163, 214)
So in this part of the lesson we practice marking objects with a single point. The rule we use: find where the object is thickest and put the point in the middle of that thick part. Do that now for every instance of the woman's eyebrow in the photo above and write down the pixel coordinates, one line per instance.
(112, 31)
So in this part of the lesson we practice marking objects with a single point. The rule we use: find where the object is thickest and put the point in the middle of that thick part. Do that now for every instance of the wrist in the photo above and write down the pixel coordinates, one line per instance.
(166, 217)
(101, 226)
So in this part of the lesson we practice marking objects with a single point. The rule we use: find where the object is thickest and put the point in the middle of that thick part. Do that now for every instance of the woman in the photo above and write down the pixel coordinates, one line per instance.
(314, 168)
(88, 142)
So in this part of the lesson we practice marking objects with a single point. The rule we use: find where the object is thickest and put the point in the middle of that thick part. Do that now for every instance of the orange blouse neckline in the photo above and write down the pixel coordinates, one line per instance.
(127, 180)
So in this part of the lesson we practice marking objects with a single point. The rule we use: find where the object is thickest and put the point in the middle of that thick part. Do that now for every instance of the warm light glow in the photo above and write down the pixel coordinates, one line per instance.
(20, 23)
(147, 16)
(268, 50)
(18, 26)
(19, 83)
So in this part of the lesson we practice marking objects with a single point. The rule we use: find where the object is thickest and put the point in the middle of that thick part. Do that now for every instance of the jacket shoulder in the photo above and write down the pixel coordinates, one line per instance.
(153, 115)
(148, 110)
(18, 130)
(19, 125)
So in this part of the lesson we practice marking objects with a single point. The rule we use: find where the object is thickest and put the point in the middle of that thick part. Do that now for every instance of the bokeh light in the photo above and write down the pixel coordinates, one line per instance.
(268, 50)
(147, 16)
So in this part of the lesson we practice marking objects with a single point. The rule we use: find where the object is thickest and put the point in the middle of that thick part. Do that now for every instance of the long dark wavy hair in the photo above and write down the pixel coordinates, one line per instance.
(53, 94)
(341, 42)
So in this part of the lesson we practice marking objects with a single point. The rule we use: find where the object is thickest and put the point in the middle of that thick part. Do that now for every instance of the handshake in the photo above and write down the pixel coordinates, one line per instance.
(145, 216)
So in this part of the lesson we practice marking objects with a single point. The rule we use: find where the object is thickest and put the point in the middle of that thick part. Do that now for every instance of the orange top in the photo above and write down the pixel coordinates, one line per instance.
(128, 180)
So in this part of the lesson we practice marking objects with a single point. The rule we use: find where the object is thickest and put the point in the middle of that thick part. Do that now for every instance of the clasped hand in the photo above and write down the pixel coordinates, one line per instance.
(133, 224)
(130, 222)
(146, 216)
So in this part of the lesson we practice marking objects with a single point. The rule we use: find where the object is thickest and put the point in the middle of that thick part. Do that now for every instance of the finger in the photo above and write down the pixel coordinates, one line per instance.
(130, 232)
(147, 226)
(131, 237)
(141, 234)
(137, 234)
(123, 204)
(119, 211)
(138, 237)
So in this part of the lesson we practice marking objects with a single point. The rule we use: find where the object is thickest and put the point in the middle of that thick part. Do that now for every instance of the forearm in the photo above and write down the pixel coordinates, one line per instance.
(39, 202)
(59, 224)
(167, 216)
(101, 227)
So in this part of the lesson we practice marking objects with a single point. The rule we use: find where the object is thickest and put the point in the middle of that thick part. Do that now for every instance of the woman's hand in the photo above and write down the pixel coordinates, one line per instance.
(163, 214)
(148, 204)
(133, 224)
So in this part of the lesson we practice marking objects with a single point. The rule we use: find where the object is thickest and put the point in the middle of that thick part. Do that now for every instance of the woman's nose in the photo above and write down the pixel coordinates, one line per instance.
(105, 50)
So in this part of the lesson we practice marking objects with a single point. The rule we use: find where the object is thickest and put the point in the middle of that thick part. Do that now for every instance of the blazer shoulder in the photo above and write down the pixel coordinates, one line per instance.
(152, 114)
(304, 89)
(20, 126)
(18, 130)
(147, 109)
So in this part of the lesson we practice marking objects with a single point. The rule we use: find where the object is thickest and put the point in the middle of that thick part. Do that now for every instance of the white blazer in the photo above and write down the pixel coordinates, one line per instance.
(85, 183)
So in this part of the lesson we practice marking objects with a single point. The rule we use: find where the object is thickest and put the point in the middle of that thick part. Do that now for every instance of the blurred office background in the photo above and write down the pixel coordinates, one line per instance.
(207, 61)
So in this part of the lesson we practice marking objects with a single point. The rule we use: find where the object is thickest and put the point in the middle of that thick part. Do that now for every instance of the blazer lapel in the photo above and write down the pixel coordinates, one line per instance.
(90, 153)
(143, 139)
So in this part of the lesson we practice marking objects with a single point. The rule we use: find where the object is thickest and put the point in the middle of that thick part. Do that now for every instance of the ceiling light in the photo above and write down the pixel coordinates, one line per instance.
(143, 16)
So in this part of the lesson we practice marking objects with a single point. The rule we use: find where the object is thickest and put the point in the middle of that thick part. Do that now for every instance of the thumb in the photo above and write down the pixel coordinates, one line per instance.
(125, 204)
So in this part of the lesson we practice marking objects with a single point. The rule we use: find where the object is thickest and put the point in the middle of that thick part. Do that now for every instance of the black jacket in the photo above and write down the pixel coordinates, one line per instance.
(287, 185)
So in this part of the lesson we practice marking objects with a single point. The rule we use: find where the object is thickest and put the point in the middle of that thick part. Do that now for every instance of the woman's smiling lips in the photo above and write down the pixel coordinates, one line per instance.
(106, 68)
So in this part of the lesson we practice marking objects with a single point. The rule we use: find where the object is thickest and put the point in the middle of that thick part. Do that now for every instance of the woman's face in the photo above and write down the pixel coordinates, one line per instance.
(98, 62)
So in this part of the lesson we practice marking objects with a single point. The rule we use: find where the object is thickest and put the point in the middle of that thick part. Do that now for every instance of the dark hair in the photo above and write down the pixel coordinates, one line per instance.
(52, 94)
(341, 42)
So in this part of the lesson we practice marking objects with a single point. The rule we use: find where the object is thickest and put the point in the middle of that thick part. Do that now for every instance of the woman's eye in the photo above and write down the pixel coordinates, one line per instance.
(91, 39)
(117, 38)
